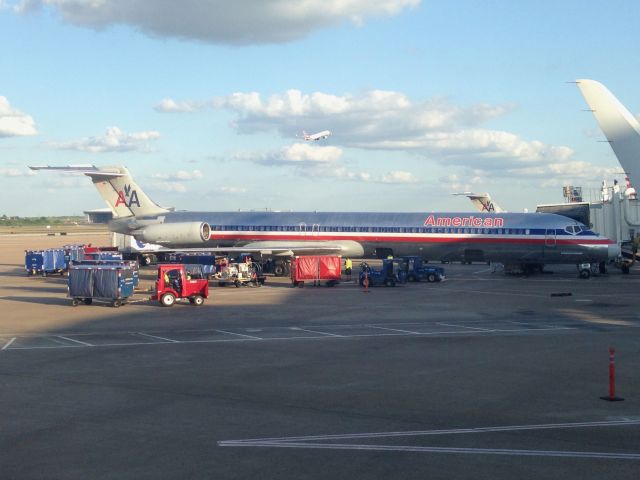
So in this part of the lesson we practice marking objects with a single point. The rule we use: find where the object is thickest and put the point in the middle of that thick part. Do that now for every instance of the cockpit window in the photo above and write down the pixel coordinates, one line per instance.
(573, 229)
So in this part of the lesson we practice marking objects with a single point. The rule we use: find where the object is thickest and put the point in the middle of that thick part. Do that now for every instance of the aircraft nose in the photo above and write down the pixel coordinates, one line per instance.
(614, 251)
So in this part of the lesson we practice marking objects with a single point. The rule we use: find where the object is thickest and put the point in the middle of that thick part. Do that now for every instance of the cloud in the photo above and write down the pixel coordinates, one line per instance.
(435, 129)
(173, 182)
(366, 121)
(170, 187)
(303, 153)
(399, 176)
(231, 190)
(241, 22)
(15, 172)
(180, 175)
(168, 105)
(308, 160)
(14, 123)
(114, 140)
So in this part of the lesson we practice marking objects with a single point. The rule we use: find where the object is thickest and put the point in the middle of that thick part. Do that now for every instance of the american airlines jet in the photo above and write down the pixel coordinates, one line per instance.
(316, 136)
(526, 239)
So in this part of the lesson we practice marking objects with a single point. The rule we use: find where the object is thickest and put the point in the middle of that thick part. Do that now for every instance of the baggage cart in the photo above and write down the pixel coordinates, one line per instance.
(316, 268)
(110, 283)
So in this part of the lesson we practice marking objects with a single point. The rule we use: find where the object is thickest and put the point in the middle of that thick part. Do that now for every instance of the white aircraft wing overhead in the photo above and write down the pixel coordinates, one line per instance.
(619, 126)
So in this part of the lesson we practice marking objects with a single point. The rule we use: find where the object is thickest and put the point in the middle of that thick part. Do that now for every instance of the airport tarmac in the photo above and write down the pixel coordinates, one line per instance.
(480, 376)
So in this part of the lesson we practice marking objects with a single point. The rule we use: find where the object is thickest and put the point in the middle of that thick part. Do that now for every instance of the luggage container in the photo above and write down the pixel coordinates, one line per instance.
(54, 260)
(316, 268)
(33, 261)
(109, 283)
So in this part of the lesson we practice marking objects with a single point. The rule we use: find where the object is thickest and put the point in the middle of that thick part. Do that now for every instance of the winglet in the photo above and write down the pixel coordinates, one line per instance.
(616, 122)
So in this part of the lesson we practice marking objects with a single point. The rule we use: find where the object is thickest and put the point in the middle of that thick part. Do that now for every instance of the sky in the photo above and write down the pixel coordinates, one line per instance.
(205, 101)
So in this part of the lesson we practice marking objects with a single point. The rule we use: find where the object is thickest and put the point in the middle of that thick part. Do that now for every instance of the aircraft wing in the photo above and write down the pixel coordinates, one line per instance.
(345, 247)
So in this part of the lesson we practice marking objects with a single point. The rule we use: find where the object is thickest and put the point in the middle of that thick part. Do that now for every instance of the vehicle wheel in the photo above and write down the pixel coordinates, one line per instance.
(389, 283)
(87, 301)
(602, 268)
(625, 269)
(237, 284)
(116, 303)
(74, 302)
(198, 300)
(167, 299)
(431, 277)
(585, 273)
(278, 270)
(412, 278)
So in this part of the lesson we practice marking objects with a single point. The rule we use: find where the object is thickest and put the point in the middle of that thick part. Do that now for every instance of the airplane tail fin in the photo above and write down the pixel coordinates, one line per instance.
(616, 122)
(482, 201)
(117, 188)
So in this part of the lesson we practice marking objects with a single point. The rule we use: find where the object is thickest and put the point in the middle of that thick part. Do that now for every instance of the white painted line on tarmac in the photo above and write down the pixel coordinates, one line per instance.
(159, 338)
(76, 341)
(8, 344)
(240, 335)
(464, 326)
(395, 330)
(311, 442)
(314, 331)
(473, 451)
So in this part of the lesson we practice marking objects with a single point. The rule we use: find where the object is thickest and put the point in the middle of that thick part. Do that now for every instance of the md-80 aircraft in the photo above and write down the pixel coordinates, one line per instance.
(529, 240)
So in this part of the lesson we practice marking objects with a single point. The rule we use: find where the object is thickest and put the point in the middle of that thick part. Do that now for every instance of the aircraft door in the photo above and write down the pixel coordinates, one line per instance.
(550, 238)
(315, 229)
(303, 229)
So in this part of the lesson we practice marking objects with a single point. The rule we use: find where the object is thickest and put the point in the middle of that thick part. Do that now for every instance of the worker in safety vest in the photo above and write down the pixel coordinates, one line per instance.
(347, 267)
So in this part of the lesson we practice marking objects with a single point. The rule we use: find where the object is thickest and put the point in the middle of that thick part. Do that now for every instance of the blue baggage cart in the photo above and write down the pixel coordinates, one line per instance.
(33, 261)
(106, 282)
(54, 261)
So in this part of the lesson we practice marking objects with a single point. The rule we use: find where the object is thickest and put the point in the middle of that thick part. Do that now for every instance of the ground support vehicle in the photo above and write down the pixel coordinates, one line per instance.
(317, 269)
(174, 284)
(243, 273)
(418, 271)
(113, 283)
(385, 276)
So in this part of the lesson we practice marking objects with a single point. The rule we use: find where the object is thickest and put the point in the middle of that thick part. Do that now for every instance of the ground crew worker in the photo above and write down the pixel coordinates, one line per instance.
(347, 267)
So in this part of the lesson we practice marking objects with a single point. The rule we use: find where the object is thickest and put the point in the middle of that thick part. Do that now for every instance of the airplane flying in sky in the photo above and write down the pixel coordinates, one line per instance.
(616, 122)
(526, 239)
(316, 136)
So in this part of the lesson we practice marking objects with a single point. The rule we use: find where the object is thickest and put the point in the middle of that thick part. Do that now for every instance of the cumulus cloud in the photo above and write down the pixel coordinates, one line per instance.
(14, 123)
(16, 172)
(399, 176)
(175, 181)
(170, 187)
(435, 129)
(114, 140)
(179, 176)
(302, 153)
(241, 22)
(168, 105)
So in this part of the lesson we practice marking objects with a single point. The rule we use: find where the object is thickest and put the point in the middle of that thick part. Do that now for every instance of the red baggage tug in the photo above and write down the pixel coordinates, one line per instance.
(173, 283)
(316, 268)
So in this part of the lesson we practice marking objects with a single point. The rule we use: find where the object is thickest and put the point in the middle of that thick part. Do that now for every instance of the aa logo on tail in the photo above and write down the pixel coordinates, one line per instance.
(128, 197)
